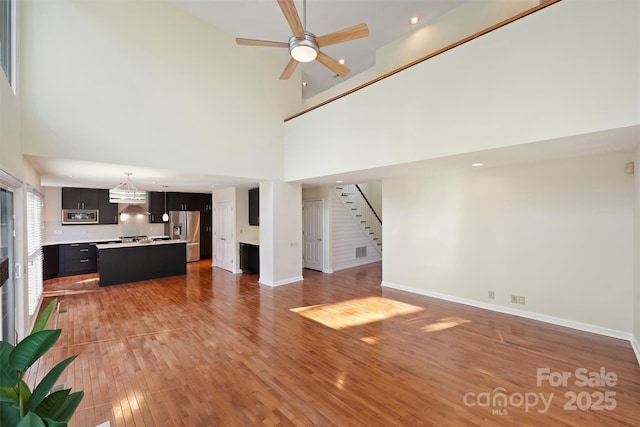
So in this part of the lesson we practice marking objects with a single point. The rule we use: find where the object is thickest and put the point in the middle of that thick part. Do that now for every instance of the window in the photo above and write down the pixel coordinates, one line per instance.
(6, 31)
(34, 248)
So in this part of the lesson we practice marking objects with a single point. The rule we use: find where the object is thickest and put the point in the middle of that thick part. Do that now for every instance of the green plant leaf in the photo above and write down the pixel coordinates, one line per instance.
(9, 395)
(69, 407)
(9, 415)
(47, 383)
(52, 405)
(8, 376)
(31, 420)
(51, 423)
(32, 348)
(44, 317)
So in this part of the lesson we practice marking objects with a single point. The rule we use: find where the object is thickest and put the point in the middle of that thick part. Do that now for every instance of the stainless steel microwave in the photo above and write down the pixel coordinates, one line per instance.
(79, 216)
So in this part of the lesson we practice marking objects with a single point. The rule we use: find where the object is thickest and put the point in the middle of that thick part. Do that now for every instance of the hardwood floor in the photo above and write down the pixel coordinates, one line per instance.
(216, 349)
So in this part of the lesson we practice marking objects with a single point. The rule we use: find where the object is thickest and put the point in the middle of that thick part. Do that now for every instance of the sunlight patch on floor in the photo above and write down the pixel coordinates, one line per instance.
(356, 312)
(444, 323)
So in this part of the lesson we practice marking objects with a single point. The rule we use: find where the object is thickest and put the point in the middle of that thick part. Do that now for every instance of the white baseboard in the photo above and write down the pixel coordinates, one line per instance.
(627, 336)
(327, 270)
(280, 282)
(237, 271)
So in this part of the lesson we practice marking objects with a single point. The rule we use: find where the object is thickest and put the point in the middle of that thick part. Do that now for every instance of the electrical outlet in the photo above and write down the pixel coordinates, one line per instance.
(492, 295)
(521, 300)
(514, 299)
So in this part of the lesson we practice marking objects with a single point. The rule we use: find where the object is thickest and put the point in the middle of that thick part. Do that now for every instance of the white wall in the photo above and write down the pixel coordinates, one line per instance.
(558, 232)
(467, 19)
(280, 233)
(555, 73)
(145, 83)
(636, 298)
(373, 192)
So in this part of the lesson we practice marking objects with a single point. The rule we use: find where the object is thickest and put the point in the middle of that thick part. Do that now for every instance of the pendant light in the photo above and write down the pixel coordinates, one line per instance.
(165, 215)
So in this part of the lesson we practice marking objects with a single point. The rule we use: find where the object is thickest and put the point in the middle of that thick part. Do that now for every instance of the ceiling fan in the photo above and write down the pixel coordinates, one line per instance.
(305, 46)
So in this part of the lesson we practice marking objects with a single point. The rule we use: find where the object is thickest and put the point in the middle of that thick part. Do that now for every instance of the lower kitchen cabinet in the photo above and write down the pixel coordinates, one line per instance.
(50, 264)
(249, 258)
(77, 258)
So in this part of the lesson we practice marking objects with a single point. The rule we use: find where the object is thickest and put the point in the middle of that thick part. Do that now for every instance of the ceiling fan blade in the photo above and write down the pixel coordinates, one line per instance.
(356, 32)
(291, 14)
(251, 42)
(289, 69)
(332, 64)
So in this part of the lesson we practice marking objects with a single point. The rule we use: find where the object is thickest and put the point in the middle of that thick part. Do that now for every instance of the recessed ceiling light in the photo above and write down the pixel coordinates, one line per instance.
(476, 165)
(304, 84)
(71, 176)
(341, 61)
(339, 182)
(414, 20)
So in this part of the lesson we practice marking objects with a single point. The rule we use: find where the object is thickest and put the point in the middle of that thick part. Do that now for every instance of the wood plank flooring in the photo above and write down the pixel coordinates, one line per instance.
(215, 349)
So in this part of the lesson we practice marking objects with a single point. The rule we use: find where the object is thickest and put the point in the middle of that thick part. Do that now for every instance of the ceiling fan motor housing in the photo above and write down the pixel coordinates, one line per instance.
(304, 49)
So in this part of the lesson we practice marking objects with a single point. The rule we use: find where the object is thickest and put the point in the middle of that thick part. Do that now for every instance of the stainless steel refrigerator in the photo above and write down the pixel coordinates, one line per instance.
(185, 225)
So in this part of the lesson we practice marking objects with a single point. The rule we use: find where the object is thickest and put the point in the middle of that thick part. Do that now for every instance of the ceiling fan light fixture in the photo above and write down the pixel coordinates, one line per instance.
(303, 50)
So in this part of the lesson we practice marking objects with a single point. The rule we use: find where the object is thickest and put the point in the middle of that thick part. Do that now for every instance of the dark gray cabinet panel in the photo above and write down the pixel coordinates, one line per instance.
(249, 258)
(254, 206)
(79, 198)
(108, 212)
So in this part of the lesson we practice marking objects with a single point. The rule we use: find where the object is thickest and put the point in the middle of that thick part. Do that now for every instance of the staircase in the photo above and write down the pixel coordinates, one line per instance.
(360, 209)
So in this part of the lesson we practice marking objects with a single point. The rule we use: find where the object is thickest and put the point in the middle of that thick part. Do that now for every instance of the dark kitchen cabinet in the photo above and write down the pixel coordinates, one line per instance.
(188, 201)
(50, 264)
(249, 258)
(77, 258)
(178, 201)
(79, 198)
(206, 234)
(254, 206)
(156, 206)
(107, 212)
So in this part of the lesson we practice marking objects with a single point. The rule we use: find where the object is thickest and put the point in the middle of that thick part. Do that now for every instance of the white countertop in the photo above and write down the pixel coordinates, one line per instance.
(136, 244)
(101, 239)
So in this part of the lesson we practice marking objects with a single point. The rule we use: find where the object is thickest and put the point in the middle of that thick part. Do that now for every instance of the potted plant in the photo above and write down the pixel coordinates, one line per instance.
(21, 407)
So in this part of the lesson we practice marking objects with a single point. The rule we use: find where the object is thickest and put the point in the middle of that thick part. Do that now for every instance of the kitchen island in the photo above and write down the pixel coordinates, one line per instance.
(134, 261)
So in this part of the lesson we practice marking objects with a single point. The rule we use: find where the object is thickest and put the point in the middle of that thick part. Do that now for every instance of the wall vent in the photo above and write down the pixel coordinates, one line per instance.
(361, 252)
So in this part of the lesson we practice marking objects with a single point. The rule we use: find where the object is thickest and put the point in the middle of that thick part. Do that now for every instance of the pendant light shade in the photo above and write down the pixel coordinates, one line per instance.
(127, 193)
(165, 215)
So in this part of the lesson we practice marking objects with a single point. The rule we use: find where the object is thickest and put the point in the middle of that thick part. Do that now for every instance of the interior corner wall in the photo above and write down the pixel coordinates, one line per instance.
(280, 233)
(10, 147)
(559, 233)
(555, 73)
(146, 83)
(636, 298)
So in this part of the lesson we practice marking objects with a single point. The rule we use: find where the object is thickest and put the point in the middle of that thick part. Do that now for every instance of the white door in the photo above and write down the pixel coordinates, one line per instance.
(223, 213)
(313, 228)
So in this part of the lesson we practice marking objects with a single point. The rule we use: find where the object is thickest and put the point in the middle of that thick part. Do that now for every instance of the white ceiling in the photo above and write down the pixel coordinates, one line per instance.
(263, 20)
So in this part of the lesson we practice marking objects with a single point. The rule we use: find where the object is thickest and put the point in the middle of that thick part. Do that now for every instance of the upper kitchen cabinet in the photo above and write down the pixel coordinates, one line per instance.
(254, 206)
(80, 198)
(156, 206)
(108, 212)
(188, 201)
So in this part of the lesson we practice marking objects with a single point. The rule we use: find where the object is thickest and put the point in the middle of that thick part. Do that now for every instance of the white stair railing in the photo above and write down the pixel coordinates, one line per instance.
(360, 209)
